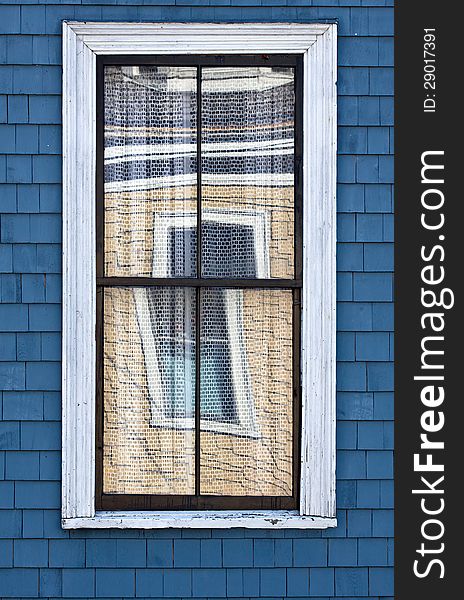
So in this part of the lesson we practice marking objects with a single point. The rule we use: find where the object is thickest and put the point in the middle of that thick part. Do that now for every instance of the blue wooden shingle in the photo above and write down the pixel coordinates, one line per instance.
(7, 346)
(10, 19)
(345, 346)
(50, 465)
(351, 581)
(19, 582)
(40, 436)
(28, 194)
(33, 288)
(343, 552)
(346, 492)
(350, 198)
(372, 552)
(368, 494)
(149, 583)
(359, 523)
(354, 316)
(369, 110)
(10, 292)
(115, 582)
(67, 553)
(237, 553)
(178, 583)
(273, 582)
(50, 583)
(351, 377)
(381, 581)
(211, 553)
(347, 110)
(347, 435)
(78, 583)
(379, 464)
(6, 553)
(351, 464)
(187, 553)
(45, 109)
(373, 346)
(358, 51)
(321, 581)
(309, 553)
(30, 553)
(378, 140)
(12, 376)
(378, 198)
(381, 21)
(352, 140)
(100, 553)
(7, 141)
(357, 406)
(22, 465)
(373, 287)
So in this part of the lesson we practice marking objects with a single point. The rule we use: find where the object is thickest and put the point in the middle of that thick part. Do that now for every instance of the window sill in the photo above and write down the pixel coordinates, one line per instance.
(282, 519)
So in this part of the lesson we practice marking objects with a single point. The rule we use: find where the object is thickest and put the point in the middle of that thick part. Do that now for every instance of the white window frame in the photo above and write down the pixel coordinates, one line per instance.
(82, 42)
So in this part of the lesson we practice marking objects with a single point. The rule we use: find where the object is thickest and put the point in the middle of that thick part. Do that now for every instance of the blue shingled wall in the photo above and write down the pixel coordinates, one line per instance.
(38, 558)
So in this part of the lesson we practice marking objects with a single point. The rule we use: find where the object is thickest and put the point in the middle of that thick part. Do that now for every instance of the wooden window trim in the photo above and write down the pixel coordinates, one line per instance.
(317, 44)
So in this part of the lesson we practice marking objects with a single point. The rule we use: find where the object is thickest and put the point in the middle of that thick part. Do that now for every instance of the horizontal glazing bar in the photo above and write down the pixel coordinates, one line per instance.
(191, 502)
(192, 282)
(211, 60)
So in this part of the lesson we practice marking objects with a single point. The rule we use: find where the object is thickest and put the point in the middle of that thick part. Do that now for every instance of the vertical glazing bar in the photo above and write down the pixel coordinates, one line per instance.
(198, 297)
(100, 272)
(298, 274)
(298, 170)
(100, 187)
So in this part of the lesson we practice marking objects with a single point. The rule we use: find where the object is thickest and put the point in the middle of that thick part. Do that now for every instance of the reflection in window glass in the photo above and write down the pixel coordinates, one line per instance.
(149, 161)
(252, 454)
(247, 159)
(144, 450)
(150, 352)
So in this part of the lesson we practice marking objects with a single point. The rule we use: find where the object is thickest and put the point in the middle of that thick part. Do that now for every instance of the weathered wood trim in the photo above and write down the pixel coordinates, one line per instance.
(197, 38)
(81, 43)
(200, 520)
(79, 289)
(319, 278)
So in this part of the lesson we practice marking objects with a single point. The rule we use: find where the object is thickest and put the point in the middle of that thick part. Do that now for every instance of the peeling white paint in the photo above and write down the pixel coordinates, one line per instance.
(200, 520)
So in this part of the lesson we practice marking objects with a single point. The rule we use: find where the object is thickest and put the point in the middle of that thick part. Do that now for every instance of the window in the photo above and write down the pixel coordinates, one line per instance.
(198, 387)
(205, 266)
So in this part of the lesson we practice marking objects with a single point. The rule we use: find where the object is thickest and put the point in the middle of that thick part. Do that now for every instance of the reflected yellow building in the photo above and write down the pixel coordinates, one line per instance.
(247, 198)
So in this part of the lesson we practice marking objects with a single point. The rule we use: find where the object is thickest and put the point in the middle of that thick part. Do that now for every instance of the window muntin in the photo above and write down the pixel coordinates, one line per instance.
(258, 205)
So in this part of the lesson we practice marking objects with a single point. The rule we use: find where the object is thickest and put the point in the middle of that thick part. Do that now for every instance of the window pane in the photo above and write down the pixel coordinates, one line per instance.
(246, 392)
(149, 391)
(247, 169)
(150, 169)
(219, 241)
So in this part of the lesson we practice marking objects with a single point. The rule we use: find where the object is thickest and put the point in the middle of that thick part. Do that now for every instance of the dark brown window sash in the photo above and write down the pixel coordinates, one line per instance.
(199, 501)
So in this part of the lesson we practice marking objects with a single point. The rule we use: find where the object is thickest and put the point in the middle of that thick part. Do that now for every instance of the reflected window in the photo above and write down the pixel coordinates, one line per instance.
(225, 387)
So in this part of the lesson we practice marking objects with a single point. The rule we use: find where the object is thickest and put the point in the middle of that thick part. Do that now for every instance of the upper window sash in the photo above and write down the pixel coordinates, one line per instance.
(317, 44)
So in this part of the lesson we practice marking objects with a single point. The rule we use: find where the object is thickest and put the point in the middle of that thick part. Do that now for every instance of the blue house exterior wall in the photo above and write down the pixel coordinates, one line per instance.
(37, 557)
